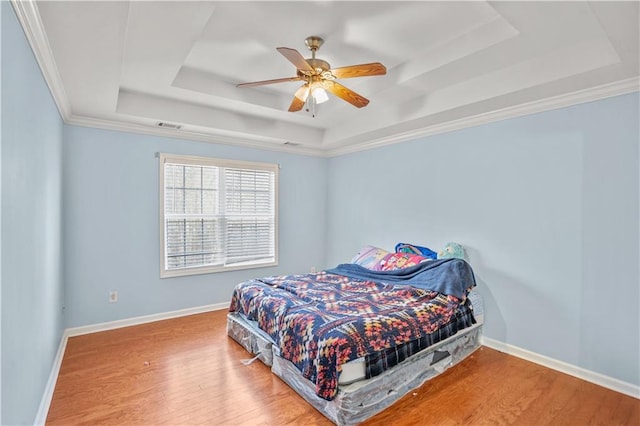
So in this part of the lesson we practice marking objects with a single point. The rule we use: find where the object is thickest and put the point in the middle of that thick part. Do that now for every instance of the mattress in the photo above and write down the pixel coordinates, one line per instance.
(261, 345)
(376, 363)
(362, 398)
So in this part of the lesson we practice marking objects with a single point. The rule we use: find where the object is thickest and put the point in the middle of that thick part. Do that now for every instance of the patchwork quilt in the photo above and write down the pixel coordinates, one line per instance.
(323, 320)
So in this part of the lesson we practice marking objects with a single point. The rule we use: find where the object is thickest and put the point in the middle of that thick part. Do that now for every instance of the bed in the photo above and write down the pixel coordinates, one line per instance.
(353, 340)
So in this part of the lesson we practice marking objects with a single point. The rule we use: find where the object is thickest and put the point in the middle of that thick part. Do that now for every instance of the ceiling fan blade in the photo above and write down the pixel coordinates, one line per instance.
(362, 70)
(264, 82)
(299, 98)
(344, 93)
(295, 58)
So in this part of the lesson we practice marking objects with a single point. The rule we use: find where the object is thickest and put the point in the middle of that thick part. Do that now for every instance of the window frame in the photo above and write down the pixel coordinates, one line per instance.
(199, 161)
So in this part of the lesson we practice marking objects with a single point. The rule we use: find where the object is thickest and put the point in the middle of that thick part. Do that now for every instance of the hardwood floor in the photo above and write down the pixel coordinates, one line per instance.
(187, 371)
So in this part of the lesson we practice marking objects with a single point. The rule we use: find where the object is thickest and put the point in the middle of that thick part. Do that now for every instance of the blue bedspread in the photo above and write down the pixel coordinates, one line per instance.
(447, 276)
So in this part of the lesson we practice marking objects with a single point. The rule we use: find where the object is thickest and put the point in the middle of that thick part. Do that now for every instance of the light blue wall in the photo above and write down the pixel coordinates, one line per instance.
(111, 224)
(547, 206)
(1, 13)
(31, 181)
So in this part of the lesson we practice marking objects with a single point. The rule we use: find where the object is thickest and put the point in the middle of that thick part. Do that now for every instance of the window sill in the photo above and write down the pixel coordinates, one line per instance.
(174, 273)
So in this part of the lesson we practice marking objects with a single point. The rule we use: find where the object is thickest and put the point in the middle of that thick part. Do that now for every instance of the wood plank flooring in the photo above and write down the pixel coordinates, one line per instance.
(186, 371)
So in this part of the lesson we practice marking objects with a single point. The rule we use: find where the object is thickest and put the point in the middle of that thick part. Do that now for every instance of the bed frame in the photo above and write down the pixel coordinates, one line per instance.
(363, 399)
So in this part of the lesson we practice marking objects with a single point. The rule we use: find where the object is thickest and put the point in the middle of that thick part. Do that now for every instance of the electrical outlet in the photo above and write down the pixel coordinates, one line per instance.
(313, 270)
(113, 296)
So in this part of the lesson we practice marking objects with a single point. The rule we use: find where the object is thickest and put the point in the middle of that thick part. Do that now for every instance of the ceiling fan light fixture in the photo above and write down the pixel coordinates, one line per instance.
(320, 95)
(303, 94)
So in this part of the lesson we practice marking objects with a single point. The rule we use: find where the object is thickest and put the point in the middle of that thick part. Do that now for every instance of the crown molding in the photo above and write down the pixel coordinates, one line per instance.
(29, 18)
(561, 101)
(185, 134)
(28, 15)
(616, 88)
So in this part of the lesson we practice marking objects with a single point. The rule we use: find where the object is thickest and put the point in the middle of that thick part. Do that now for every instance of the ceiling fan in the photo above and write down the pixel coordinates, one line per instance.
(318, 77)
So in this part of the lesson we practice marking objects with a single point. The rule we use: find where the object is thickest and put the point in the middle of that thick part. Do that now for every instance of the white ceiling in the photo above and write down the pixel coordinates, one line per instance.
(130, 64)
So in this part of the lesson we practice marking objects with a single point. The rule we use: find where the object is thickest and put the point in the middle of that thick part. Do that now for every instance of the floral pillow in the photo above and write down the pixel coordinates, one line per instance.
(369, 257)
(394, 261)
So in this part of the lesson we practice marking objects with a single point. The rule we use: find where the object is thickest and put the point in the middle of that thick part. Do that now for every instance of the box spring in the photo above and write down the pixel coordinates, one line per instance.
(254, 340)
(358, 401)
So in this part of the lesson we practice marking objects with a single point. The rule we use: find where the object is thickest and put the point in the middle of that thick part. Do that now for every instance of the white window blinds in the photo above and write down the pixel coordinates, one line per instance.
(217, 215)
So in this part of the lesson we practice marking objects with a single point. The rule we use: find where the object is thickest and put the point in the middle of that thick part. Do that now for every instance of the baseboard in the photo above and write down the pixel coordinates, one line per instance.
(45, 402)
(572, 370)
(112, 325)
(563, 367)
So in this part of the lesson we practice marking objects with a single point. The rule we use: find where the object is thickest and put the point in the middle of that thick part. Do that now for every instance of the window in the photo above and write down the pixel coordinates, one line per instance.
(216, 215)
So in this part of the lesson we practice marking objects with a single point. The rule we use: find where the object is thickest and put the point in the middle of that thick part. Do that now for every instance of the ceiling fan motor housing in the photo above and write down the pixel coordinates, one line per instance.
(313, 42)
(319, 64)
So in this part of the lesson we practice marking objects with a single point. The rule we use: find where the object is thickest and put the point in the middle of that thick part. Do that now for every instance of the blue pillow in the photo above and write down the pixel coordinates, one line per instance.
(410, 248)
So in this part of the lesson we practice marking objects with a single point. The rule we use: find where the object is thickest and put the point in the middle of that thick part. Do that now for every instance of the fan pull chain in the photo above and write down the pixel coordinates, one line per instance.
(311, 105)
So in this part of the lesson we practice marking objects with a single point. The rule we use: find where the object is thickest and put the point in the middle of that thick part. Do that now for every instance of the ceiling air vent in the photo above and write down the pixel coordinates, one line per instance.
(166, 125)
(291, 143)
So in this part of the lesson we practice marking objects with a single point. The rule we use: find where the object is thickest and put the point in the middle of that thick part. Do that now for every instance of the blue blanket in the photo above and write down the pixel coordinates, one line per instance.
(448, 276)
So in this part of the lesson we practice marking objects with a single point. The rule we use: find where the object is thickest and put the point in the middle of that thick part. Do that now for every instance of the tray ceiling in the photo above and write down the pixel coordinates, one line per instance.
(129, 65)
